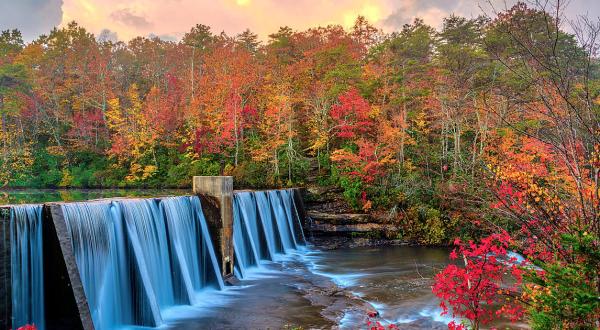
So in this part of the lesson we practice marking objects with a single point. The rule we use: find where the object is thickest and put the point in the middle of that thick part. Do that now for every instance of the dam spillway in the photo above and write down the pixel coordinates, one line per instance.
(266, 223)
(135, 259)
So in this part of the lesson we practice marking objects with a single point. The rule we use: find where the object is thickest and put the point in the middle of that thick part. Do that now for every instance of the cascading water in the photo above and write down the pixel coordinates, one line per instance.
(248, 212)
(147, 232)
(260, 235)
(98, 239)
(137, 258)
(246, 252)
(271, 230)
(191, 244)
(293, 217)
(27, 266)
(281, 220)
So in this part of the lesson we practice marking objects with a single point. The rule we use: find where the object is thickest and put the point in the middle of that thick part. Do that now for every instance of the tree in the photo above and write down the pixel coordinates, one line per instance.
(489, 273)
(14, 87)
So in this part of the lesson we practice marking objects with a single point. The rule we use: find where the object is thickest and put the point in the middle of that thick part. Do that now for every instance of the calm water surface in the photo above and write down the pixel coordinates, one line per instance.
(32, 196)
(395, 280)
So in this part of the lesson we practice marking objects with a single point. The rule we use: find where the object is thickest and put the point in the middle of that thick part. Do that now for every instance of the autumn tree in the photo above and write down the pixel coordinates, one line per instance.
(14, 87)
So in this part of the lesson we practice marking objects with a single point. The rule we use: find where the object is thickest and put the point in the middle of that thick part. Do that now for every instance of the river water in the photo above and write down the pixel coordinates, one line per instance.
(395, 280)
(30, 196)
(314, 289)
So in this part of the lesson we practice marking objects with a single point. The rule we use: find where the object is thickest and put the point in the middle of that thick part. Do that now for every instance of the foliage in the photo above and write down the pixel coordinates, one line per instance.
(561, 296)
(470, 291)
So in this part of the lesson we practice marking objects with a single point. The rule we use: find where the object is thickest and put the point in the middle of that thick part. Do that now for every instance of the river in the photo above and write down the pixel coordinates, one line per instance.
(314, 289)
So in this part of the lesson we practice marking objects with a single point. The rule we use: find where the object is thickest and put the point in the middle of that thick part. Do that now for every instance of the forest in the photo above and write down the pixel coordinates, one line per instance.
(486, 126)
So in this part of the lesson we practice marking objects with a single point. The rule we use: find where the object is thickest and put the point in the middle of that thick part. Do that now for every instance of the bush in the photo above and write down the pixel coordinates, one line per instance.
(426, 225)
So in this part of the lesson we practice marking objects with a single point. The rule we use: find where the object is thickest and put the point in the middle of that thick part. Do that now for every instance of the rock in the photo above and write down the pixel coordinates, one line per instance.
(340, 242)
(232, 281)
(352, 228)
(347, 223)
(329, 206)
(338, 219)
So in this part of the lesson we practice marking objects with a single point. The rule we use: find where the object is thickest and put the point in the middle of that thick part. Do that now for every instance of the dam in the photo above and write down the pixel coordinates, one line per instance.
(126, 262)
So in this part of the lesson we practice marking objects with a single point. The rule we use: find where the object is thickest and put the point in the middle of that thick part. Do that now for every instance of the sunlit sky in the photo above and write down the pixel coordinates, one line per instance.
(170, 19)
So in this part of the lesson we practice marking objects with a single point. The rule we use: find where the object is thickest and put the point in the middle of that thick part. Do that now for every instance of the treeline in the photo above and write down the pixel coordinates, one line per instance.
(404, 121)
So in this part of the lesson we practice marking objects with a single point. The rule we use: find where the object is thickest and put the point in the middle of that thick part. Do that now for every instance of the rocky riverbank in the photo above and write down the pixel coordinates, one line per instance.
(332, 224)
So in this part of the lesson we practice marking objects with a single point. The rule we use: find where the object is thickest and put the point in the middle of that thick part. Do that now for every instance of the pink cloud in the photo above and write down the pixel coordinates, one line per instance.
(175, 17)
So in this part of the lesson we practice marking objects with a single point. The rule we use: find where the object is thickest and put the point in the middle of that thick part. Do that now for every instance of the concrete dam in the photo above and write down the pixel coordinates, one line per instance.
(120, 263)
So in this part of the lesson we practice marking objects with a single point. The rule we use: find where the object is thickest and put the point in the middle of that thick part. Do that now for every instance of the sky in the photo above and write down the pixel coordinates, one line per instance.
(171, 19)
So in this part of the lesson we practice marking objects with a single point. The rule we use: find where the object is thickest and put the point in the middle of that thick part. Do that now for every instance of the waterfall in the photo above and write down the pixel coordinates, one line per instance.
(148, 234)
(137, 258)
(105, 267)
(27, 265)
(264, 225)
(244, 245)
(191, 244)
(281, 219)
(248, 212)
(271, 231)
(293, 217)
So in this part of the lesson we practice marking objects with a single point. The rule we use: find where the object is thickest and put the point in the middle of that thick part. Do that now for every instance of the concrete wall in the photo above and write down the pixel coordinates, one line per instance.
(216, 196)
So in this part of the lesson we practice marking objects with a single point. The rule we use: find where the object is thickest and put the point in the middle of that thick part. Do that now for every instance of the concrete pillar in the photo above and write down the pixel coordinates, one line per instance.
(5, 270)
(216, 196)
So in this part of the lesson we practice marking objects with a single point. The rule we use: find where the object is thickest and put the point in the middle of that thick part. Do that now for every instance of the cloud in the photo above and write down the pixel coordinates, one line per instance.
(170, 19)
(163, 37)
(128, 17)
(107, 35)
(434, 11)
(31, 17)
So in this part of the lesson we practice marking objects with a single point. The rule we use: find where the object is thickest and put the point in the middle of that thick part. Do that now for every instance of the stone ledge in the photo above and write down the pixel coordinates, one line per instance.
(339, 219)
(350, 228)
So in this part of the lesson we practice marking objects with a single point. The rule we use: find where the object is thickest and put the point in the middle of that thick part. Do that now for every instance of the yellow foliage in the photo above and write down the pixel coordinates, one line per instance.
(375, 111)
(67, 179)
(228, 170)
(320, 143)
(421, 123)
(149, 171)
(114, 117)
(56, 150)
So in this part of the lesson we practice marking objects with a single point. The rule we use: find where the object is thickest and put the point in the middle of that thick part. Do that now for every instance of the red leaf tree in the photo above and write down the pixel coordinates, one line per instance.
(472, 291)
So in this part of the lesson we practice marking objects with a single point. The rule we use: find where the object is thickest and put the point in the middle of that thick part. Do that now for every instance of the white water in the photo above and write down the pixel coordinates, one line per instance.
(27, 265)
(264, 227)
(140, 258)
